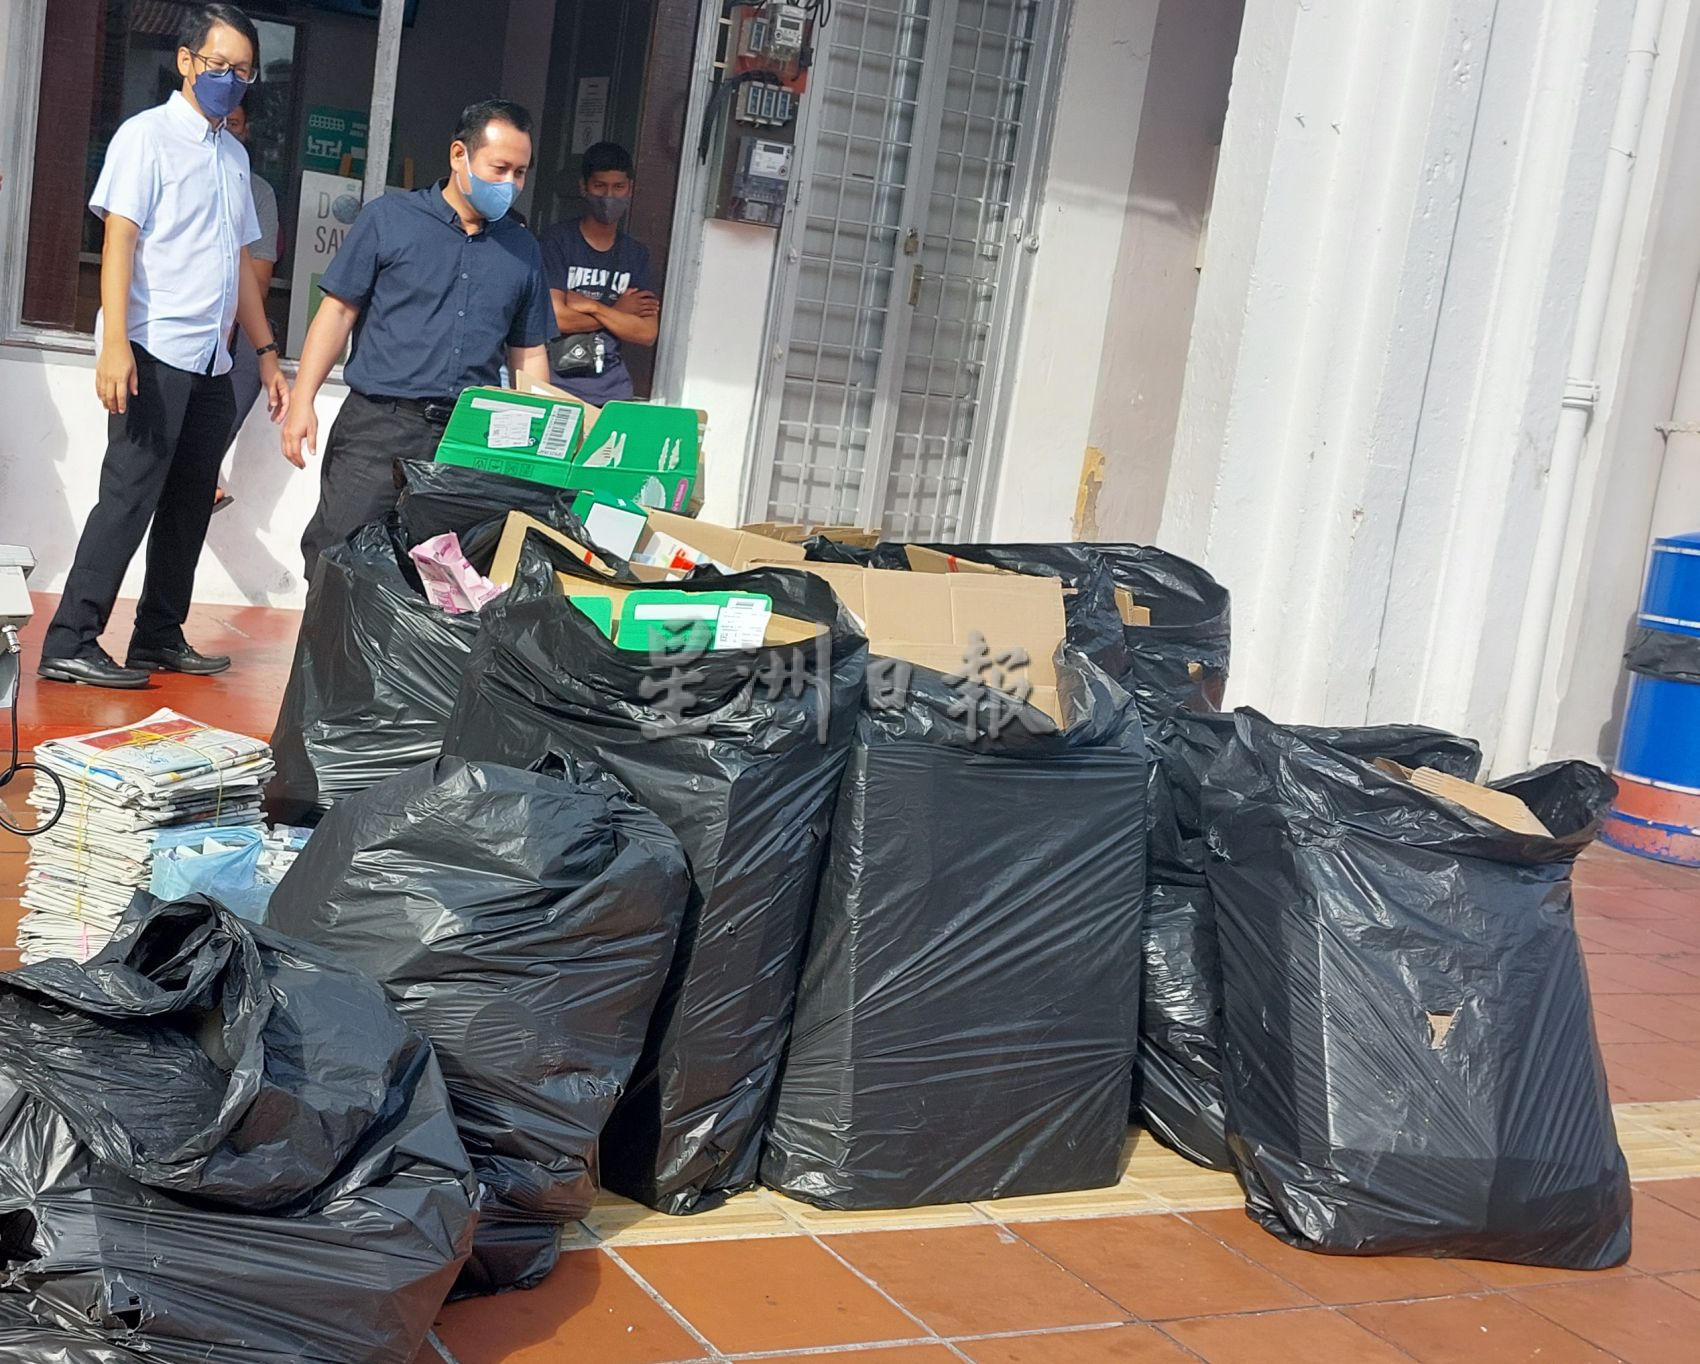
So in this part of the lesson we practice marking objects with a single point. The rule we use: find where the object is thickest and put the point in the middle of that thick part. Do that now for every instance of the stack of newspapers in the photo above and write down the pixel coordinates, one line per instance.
(124, 789)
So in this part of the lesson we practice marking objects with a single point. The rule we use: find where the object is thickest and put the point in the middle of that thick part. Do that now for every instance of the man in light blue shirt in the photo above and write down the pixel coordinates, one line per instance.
(175, 274)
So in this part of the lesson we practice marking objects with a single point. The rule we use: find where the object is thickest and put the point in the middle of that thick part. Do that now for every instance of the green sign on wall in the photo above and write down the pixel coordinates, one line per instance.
(331, 135)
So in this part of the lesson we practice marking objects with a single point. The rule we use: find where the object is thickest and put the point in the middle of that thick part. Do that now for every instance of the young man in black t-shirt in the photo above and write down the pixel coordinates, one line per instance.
(600, 283)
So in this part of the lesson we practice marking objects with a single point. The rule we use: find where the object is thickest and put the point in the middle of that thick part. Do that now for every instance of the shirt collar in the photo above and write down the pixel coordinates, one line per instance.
(439, 206)
(186, 117)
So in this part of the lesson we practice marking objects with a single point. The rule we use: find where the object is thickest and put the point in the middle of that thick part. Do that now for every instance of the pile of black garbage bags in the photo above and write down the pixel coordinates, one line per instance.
(553, 934)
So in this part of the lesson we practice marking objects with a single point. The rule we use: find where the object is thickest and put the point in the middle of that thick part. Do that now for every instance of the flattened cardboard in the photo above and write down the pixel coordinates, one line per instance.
(1497, 807)
(927, 618)
(924, 560)
(1132, 613)
(514, 531)
(735, 549)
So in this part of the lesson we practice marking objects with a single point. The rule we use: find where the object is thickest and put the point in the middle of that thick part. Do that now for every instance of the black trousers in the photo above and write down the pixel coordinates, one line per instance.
(361, 477)
(162, 458)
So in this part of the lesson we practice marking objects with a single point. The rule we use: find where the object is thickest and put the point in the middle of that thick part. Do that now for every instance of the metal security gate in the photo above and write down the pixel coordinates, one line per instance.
(902, 259)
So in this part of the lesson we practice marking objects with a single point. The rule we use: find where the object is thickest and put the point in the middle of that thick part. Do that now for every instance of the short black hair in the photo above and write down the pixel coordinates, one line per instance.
(200, 20)
(475, 118)
(606, 156)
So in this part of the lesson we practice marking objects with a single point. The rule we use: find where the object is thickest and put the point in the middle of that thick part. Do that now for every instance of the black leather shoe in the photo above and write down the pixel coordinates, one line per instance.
(100, 671)
(179, 659)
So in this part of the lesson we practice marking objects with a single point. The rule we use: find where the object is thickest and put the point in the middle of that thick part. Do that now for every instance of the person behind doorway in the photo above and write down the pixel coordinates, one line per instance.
(432, 286)
(245, 365)
(600, 283)
(174, 275)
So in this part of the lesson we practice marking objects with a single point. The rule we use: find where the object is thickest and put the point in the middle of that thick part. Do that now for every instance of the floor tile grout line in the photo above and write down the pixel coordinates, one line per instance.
(821, 1241)
(713, 1351)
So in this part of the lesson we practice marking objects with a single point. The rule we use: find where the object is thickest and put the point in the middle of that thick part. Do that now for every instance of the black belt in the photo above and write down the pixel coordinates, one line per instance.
(437, 411)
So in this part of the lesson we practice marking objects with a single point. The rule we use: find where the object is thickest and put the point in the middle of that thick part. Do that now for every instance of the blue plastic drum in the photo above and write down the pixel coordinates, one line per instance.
(1671, 599)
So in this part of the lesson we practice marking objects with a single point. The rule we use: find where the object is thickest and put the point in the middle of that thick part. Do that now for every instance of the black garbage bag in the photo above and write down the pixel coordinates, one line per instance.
(439, 498)
(377, 666)
(1664, 653)
(377, 669)
(1411, 1060)
(1179, 1089)
(524, 921)
(220, 1146)
(968, 1013)
(25, 1340)
(744, 772)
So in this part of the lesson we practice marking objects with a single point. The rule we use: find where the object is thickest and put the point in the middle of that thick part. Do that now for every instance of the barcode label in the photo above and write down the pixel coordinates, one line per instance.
(558, 432)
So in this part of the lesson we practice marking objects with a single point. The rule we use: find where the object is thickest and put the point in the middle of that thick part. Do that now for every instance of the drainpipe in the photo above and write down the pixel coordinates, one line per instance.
(1677, 507)
(1581, 393)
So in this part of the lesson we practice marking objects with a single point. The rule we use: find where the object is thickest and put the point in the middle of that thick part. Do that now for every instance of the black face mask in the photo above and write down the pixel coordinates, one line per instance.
(608, 209)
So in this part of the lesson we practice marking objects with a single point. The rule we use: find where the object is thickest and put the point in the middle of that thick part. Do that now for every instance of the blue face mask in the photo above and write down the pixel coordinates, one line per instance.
(490, 199)
(218, 92)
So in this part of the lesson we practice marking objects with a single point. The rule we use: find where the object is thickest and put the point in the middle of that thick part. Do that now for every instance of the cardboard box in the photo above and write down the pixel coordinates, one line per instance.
(646, 452)
(926, 618)
(730, 550)
(780, 629)
(614, 523)
(1497, 807)
(514, 531)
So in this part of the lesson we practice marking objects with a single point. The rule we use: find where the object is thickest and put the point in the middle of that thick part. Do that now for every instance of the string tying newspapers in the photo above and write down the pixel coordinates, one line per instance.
(164, 779)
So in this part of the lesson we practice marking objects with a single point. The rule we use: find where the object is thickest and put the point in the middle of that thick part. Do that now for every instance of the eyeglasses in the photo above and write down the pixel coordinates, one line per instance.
(217, 66)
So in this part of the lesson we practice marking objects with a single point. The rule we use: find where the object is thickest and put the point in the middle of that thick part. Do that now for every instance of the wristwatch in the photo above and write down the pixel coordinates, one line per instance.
(270, 348)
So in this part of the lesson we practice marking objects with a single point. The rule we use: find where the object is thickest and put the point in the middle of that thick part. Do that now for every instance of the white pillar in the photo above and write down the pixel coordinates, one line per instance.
(1403, 210)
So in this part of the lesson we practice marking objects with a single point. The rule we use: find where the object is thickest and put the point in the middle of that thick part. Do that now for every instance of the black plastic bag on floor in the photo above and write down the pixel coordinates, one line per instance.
(744, 771)
(1179, 1089)
(1411, 1060)
(524, 921)
(376, 672)
(220, 1146)
(377, 667)
(968, 1013)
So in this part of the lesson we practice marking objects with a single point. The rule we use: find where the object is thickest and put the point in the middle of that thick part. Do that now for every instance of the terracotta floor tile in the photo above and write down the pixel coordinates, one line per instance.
(1121, 1345)
(776, 1293)
(1638, 1319)
(1610, 1028)
(1687, 963)
(1623, 973)
(1317, 1335)
(1337, 1279)
(1497, 1274)
(1675, 1063)
(975, 1280)
(1468, 1330)
(1689, 1283)
(1679, 1193)
(1673, 1018)
(1630, 1086)
(1619, 936)
(427, 1355)
(588, 1309)
(1683, 927)
(1161, 1266)
(891, 1354)
(1666, 1240)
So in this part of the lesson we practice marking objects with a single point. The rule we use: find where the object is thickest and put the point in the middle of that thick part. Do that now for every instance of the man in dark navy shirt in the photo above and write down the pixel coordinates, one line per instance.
(599, 278)
(432, 286)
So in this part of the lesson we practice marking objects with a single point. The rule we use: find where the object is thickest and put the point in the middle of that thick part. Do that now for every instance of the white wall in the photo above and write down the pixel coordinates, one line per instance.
(724, 355)
(1054, 379)
(1621, 503)
(1403, 209)
(1142, 370)
(52, 441)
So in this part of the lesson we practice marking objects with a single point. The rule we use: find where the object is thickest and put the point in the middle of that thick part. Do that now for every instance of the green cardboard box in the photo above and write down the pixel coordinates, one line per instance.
(645, 452)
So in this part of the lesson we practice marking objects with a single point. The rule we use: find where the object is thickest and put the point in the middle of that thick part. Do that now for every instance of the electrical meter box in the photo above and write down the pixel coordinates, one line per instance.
(762, 181)
(786, 31)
